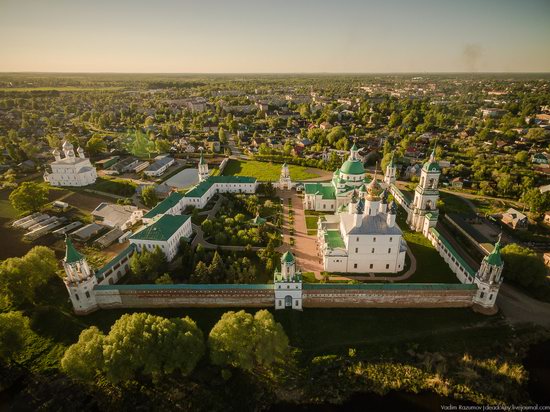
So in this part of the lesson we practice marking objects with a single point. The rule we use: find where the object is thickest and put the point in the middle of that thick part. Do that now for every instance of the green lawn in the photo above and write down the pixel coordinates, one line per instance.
(309, 277)
(430, 266)
(6, 210)
(118, 187)
(454, 204)
(264, 171)
(311, 222)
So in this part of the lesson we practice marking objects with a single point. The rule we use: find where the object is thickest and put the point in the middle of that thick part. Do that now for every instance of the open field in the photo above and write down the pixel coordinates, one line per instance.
(266, 171)
(59, 88)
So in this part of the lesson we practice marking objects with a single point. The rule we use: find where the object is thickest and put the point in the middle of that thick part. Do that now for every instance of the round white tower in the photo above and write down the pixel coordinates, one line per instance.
(489, 277)
(79, 280)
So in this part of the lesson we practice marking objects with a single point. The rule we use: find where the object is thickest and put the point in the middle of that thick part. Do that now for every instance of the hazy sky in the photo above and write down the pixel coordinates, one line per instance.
(274, 36)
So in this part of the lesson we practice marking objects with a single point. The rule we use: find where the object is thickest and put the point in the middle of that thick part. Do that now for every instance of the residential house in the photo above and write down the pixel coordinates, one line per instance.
(515, 219)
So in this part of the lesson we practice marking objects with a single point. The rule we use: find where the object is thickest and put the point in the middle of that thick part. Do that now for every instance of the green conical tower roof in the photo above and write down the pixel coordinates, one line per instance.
(288, 257)
(201, 161)
(354, 148)
(71, 254)
(494, 258)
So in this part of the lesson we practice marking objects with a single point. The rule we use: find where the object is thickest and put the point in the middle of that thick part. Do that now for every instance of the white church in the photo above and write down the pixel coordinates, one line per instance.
(70, 170)
(362, 237)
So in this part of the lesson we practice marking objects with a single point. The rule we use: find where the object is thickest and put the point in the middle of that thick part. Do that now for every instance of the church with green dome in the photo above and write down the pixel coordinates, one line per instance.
(329, 196)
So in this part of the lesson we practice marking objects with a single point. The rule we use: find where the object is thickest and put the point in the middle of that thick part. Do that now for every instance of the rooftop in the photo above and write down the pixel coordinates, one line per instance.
(165, 205)
(161, 229)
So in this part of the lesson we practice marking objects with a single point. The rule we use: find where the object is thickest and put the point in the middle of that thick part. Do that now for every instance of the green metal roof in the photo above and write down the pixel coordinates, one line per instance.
(115, 260)
(161, 229)
(258, 220)
(165, 205)
(326, 190)
(431, 167)
(200, 189)
(494, 258)
(288, 257)
(391, 286)
(354, 148)
(334, 240)
(71, 254)
(183, 286)
(352, 167)
(451, 249)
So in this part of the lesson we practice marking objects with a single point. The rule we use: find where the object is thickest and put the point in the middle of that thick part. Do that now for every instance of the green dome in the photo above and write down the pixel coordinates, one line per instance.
(352, 167)
(431, 167)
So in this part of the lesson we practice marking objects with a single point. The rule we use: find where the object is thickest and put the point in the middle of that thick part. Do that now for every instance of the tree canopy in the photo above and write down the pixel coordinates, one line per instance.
(29, 196)
(19, 277)
(245, 341)
(138, 345)
(14, 330)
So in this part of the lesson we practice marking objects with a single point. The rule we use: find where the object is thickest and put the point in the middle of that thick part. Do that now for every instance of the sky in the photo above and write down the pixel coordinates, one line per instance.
(277, 36)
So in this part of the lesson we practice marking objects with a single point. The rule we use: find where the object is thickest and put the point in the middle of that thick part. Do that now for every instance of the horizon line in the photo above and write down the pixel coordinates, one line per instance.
(276, 73)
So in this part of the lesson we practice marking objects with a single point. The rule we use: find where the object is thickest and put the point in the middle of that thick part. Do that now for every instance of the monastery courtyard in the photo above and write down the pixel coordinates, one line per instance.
(305, 245)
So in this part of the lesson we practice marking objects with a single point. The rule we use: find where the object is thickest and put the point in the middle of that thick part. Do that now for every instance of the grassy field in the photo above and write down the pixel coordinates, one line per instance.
(118, 187)
(265, 171)
(311, 222)
(430, 267)
(58, 88)
(454, 204)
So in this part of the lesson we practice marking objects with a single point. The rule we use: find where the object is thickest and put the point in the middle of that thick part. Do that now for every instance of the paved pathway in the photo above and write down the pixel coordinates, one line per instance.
(520, 308)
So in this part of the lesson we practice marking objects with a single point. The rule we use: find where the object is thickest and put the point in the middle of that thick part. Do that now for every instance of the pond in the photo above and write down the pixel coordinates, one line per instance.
(183, 179)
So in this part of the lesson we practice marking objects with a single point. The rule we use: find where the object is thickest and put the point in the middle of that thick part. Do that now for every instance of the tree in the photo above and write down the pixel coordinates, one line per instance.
(165, 279)
(201, 273)
(522, 157)
(95, 145)
(20, 277)
(148, 265)
(536, 201)
(149, 196)
(29, 196)
(137, 345)
(84, 359)
(523, 266)
(14, 330)
(162, 145)
(247, 342)
(144, 344)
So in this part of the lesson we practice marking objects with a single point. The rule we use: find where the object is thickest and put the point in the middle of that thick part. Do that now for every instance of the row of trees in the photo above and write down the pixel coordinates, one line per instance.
(144, 346)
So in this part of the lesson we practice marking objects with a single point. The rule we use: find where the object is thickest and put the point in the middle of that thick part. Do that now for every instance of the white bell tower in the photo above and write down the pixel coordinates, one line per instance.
(203, 169)
(391, 172)
(425, 196)
(288, 284)
(79, 280)
(284, 181)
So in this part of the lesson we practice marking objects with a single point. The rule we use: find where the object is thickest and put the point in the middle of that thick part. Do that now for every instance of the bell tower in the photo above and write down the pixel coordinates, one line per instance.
(203, 169)
(79, 280)
(425, 196)
(284, 180)
(391, 172)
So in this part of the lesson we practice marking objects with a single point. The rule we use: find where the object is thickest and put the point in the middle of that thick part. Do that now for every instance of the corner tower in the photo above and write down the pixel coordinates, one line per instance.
(489, 278)
(79, 280)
